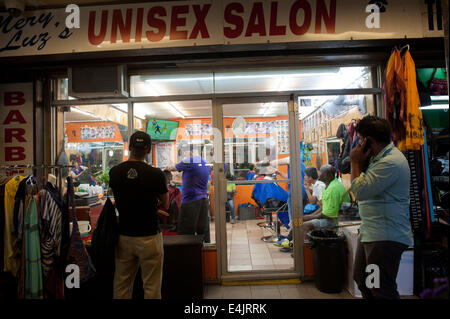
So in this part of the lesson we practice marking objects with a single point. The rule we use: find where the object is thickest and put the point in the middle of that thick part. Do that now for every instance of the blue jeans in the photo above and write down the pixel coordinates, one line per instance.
(231, 204)
(289, 206)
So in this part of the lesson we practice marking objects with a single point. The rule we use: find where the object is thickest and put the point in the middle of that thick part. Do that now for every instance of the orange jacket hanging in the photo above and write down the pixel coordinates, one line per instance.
(396, 95)
(414, 138)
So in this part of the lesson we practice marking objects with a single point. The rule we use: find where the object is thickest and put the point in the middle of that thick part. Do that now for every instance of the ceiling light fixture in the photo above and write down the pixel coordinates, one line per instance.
(176, 110)
(435, 107)
(238, 76)
(154, 91)
(439, 97)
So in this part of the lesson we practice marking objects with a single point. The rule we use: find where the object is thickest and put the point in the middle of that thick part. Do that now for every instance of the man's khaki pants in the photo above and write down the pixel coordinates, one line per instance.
(132, 252)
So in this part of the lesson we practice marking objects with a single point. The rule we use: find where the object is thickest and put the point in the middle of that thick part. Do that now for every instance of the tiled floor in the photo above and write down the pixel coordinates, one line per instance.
(305, 290)
(247, 251)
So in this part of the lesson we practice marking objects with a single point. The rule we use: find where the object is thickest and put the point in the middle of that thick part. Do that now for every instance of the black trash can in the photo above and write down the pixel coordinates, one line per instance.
(329, 252)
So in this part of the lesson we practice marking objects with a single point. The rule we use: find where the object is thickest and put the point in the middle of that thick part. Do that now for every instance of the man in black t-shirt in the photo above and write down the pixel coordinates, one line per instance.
(139, 191)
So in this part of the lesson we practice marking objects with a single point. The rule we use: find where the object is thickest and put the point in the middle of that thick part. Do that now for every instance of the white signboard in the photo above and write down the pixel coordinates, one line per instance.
(16, 124)
(218, 22)
(165, 155)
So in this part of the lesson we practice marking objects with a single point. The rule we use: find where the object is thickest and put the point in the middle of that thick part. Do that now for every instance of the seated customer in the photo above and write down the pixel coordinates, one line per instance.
(231, 190)
(313, 189)
(333, 196)
(174, 203)
(251, 173)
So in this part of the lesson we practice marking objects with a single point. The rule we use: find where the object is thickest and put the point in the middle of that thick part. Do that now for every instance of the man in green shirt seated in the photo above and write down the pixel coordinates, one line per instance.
(333, 196)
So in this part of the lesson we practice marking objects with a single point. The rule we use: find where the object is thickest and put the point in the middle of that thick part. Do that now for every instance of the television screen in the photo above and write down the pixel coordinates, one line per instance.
(162, 129)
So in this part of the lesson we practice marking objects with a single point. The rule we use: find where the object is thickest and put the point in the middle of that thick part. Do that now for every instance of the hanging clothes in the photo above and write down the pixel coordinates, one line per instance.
(50, 224)
(21, 201)
(104, 241)
(32, 252)
(2, 221)
(10, 263)
(414, 137)
(395, 89)
(77, 253)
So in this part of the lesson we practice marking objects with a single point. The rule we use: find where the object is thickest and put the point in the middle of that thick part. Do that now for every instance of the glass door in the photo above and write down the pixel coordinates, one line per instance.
(257, 216)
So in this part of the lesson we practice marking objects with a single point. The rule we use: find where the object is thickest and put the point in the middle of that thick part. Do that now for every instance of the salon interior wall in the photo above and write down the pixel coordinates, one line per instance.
(319, 139)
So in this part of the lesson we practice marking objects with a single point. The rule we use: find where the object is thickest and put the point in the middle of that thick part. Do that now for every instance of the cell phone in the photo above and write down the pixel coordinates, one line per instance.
(367, 146)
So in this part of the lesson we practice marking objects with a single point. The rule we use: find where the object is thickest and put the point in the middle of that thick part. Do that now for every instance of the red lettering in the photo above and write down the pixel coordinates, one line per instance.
(16, 133)
(15, 153)
(233, 19)
(13, 98)
(97, 39)
(125, 27)
(176, 22)
(295, 28)
(274, 28)
(140, 17)
(200, 25)
(256, 14)
(14, 116)
(159, 24)
(329, 19)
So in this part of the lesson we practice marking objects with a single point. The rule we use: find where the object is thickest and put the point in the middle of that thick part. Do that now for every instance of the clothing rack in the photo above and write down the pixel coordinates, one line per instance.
(34, 166)
(42, 166)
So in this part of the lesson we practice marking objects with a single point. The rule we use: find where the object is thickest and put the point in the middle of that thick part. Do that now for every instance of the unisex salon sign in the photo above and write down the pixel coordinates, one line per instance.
(16, 124)
(191, 23)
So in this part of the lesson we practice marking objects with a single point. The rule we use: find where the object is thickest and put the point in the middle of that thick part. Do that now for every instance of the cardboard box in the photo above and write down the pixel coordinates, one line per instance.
(405, 276)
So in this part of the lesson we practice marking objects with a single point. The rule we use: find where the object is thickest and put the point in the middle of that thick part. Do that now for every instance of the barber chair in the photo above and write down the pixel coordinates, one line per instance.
(274, 199)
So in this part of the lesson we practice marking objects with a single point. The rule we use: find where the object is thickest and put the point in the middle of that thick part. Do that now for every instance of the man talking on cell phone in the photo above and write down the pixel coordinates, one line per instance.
(380, 182)
(139, 191)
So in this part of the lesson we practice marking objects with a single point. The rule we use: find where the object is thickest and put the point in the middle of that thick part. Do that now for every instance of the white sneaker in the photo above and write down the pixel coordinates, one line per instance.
(233, 221)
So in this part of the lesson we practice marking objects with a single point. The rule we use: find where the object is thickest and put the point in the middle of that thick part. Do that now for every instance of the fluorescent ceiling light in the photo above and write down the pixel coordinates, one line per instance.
(439, 97)
(435, 107)
(178, 79)
(176, 110)
(248, 75)
(154, 91)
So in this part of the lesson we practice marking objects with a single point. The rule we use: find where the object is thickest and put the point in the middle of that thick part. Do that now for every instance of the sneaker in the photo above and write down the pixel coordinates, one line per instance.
(233, 221)
(281, 243)
(286, 243)
(285, 250)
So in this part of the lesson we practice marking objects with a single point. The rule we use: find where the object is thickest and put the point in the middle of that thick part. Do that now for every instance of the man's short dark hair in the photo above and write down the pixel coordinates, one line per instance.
(376, 127)
(312, 172)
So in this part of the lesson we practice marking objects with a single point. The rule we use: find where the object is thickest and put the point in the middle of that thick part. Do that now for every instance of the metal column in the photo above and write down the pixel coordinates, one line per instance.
(219, 188)
(296, 180)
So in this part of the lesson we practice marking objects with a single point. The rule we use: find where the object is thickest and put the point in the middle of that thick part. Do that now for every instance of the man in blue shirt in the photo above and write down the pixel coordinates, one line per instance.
(380, 182)
(193, 217)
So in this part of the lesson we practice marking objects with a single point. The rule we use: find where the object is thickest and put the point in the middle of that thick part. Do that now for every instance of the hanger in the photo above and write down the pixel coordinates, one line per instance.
(404, 47)
(16, 174)
(51, 179)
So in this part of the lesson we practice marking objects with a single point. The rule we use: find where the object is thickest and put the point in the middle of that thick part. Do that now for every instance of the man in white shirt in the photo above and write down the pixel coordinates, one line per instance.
(313, 186)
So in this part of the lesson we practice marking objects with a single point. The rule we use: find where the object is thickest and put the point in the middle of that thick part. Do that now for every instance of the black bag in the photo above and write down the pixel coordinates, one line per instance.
(351, 210)
(344, 165)
(343, 160)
